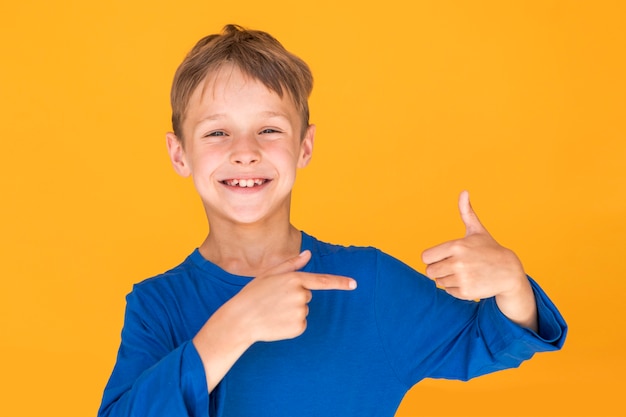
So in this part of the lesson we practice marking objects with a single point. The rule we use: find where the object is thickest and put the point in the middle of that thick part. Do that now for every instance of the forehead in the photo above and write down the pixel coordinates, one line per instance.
(227, 89)
(229, 80)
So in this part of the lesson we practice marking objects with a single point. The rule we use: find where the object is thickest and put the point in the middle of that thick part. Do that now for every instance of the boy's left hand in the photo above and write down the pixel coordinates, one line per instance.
(475, 266)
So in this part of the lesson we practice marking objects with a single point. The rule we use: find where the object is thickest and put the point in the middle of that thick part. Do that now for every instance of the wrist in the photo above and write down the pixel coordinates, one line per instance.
(220, 343)
(519, 305)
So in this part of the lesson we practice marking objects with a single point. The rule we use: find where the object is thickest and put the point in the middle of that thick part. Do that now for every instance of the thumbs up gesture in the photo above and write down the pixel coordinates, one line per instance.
(475, 266)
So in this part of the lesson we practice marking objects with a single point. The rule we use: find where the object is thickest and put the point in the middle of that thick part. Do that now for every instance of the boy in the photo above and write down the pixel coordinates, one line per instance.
(265, 320)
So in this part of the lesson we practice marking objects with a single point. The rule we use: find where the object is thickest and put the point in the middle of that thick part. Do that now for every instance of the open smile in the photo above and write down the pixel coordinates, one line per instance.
(245, 183)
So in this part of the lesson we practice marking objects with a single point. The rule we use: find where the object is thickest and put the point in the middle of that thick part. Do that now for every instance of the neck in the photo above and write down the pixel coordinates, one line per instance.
(249, 250)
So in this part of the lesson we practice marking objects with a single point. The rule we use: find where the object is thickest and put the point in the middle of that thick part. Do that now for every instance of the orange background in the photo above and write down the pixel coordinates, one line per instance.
(523, 103)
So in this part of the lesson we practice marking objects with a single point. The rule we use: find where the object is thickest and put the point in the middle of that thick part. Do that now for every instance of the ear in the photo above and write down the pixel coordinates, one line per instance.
(177, 155)
(306, 147)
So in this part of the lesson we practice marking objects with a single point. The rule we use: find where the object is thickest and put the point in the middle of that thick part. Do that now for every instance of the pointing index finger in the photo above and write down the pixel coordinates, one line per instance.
(314, 281)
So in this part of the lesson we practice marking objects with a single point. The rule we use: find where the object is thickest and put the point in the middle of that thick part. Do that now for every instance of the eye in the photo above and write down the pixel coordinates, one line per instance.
(269, 130)
(216, 133)
(215, 136)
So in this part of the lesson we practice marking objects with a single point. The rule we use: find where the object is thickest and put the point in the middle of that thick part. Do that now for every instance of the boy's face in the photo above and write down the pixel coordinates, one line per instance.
(242, 148)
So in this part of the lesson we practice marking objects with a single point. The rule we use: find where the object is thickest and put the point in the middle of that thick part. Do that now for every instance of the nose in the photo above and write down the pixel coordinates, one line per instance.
(245, 151)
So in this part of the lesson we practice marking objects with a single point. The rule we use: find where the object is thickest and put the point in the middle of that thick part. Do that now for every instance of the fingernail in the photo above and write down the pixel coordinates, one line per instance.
(352, 284)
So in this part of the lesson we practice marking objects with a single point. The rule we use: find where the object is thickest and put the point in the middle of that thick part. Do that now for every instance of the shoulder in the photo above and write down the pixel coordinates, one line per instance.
(167, 283)
(329, 251)
(360, 258)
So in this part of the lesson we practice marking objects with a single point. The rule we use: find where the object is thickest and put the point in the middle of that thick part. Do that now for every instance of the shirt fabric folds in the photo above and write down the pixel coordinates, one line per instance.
(361, 352)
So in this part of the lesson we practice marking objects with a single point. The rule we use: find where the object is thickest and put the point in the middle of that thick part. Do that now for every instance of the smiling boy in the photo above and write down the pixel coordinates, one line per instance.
(263, 319)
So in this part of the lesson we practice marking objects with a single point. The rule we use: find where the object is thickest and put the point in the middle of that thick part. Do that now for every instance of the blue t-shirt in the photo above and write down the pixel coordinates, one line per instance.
(361, 352)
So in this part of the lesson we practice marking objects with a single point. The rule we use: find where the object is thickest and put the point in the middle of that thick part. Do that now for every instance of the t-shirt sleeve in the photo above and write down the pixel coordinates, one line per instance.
(426, 333)
(152, 377)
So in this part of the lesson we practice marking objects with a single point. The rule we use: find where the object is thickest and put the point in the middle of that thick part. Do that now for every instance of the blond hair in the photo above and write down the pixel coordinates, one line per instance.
(257, 54)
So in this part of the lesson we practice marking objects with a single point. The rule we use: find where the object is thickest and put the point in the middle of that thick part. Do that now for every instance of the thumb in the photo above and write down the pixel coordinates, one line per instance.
(291, 264)
(469, 217)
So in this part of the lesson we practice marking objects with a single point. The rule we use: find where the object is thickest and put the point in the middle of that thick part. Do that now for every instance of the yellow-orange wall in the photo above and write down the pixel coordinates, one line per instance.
(521, 102)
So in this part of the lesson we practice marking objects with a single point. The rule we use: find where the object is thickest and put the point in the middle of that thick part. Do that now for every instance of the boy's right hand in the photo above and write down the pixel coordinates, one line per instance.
(274, 305)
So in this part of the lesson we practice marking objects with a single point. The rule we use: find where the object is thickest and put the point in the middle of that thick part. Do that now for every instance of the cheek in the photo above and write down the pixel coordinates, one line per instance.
(289, 158)
(205, 161)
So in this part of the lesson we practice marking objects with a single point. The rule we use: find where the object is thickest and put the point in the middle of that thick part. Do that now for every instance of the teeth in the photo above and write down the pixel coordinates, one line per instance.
(244, 183)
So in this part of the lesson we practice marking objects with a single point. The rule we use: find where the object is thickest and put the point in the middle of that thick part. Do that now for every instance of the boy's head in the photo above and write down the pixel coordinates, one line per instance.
(257, 54)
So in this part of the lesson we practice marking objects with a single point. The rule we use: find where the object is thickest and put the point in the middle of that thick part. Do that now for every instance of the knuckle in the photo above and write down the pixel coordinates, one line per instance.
(459, 247)
(293, 280)
(323, 280)
(435, 270)
(299, 314)
(301, 327)
(460, 265)
(465, 293)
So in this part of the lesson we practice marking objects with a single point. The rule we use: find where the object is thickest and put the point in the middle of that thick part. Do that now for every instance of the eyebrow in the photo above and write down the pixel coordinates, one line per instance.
(270, 113)
(267, 113)
(215, 116)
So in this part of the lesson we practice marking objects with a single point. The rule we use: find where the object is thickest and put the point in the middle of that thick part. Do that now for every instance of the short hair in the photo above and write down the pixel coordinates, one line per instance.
(257, 54)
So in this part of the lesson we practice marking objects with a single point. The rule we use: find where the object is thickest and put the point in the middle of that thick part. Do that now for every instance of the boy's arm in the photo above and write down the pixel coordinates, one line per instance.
(477, 267)
(154, 378)
(273, 306)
